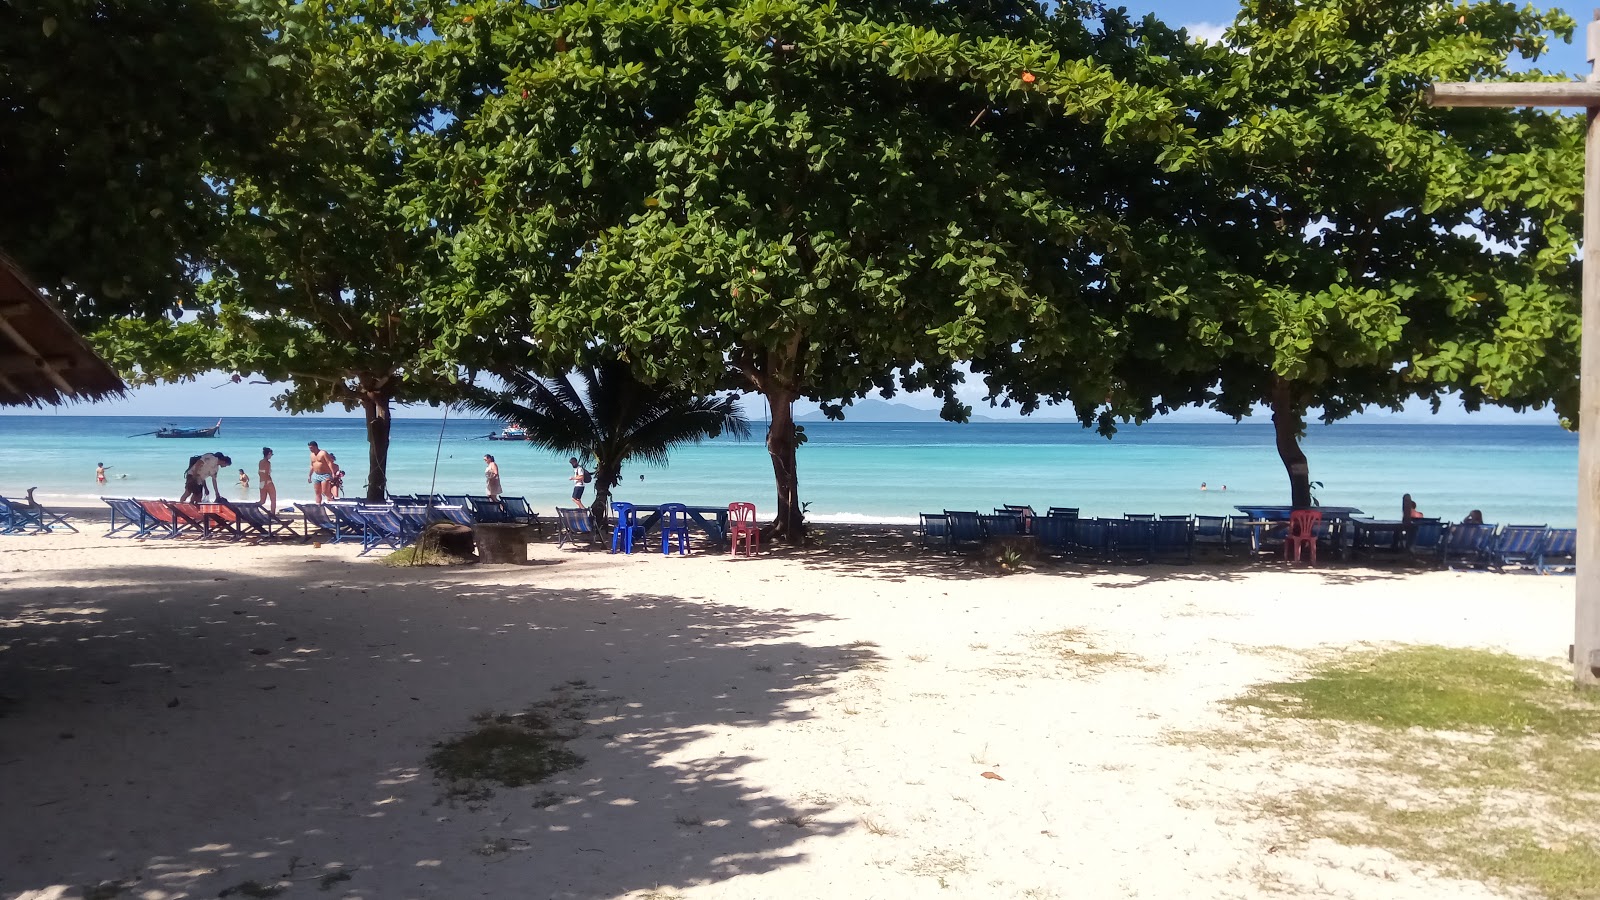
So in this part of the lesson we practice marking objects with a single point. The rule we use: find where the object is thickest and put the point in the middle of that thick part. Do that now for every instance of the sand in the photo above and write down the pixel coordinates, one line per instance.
(183, 720)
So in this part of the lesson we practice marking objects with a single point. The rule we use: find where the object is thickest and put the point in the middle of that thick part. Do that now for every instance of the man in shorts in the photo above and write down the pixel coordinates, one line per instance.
(579, 479)
(201, 468)
(320, 477)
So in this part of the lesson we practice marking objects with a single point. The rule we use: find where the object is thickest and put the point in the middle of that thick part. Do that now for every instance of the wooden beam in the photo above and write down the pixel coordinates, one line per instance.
(1521, 93)
(22, 343)
(36, 365)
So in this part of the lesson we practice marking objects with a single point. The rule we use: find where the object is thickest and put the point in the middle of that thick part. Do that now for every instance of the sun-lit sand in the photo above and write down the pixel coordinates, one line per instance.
(228, 720)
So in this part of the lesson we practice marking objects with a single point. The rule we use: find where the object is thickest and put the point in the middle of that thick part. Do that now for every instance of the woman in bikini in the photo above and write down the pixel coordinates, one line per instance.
(269, 491)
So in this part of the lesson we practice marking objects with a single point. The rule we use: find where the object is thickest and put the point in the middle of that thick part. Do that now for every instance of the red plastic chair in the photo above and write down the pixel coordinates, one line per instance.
(742, 524)
(1303, 525)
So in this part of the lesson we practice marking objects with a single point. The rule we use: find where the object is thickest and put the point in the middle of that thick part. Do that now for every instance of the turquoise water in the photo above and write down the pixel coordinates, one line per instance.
(854, 471)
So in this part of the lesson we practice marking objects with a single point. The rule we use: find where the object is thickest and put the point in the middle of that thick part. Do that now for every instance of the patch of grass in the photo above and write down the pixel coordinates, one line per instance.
(1481, 764)
(425, 556)
(1436, 688)
(873, 826)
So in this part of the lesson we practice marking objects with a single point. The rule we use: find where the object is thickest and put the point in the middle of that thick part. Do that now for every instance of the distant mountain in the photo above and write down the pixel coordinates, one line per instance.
(871, 410)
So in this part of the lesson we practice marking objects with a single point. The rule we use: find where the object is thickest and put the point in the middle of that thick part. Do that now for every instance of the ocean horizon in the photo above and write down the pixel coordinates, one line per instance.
(855, 471)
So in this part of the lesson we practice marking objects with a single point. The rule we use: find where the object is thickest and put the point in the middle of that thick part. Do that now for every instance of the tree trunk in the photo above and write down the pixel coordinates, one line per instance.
(1288, 421)
(789, 524)
(606, 476)
(376, 405)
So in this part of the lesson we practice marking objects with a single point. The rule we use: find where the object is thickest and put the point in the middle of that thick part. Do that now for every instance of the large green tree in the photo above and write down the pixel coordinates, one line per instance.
(1341, 244)
(797, 198)
(113, 113)
(328, 256)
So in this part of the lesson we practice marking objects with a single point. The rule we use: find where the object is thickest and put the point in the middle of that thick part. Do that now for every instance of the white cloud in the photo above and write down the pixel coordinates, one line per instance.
(1205, 31)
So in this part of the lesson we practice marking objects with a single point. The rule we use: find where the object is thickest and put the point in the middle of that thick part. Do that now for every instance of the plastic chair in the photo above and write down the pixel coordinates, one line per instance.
(627, 529)
(1302, 533)
(742, 523)
(674, 521)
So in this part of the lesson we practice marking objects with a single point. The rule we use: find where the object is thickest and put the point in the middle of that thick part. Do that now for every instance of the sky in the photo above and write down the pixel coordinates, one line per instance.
(214, 396)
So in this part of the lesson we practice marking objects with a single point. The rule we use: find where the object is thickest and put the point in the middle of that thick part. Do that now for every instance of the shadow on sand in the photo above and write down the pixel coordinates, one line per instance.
(195, 731)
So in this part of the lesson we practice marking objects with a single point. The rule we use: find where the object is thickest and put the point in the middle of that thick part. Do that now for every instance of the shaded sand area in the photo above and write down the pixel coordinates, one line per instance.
(182, 720)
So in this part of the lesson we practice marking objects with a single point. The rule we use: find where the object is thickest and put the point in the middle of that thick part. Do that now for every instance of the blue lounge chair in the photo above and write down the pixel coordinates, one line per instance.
(674, 523)
(488, 510)
(1053, 534)
(1560, 551)
(1172, 536)
(257, 519)
(964, 527)
(1139, 517)
(455, 500)
(1132, 539)
(1212, 530)
(519, 511)
(1063, 512)
(1426, 538)
(1089, 537)
(1466, 544)
(573, 524)
(1022, 511)
(1003, 525)
(336, 519)
(20, 518)
(1517, 545)
(935, 530)
(455, 515)
(133, 518)
(381, 527)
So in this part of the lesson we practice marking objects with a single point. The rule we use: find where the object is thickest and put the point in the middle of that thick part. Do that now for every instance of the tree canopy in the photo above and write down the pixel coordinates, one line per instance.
(114, 115)
(797, 198)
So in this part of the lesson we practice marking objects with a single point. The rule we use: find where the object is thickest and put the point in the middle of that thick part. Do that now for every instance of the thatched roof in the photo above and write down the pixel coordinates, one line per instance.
(42, 359)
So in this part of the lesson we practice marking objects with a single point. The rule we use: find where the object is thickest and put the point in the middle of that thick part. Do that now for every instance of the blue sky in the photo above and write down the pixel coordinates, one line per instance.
(211, 397)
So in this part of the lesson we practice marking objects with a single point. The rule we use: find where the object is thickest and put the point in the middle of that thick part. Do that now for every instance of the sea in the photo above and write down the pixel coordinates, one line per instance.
(859, 471)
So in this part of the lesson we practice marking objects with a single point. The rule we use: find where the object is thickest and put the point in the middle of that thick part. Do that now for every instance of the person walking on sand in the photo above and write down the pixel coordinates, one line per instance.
(580, 477)
(269, 491)
(491, 475)
(320, 476)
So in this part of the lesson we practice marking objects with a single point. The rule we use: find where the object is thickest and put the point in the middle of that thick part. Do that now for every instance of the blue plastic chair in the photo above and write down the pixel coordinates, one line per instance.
(674, 521)
(627, 529)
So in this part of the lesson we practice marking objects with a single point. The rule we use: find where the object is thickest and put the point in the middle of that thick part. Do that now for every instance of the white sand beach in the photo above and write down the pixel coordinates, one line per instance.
(181, 720)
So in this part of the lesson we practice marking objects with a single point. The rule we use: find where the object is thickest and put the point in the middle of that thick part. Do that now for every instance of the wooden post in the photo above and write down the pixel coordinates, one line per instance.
(1586, 94)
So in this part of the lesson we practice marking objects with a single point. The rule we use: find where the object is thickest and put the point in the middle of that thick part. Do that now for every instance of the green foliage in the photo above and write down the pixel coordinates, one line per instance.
(805, 199)
(609, 414)
(113, 113)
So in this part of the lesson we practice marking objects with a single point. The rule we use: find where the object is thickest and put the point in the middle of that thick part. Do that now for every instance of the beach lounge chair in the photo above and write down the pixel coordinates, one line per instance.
(191, 518)
(1466, 544)
(382, 527)
(335, 519)
(220, 518)
(1021, 511)
(1132, 539)
(253, 518)
(455, 515)
(935, 530)
(1139, 517)
(455, 500)
(1172, 536)
(488, 510)
(1053, 534)
(1088, 537)
(135, 522)
(17, 517)
(963, 527)
(519, 511)
(1063, 512)
(573, 524)
(1517, 545)
(164, 522)
(1212, 530)
(1426, 538)
(1560, 551)
(1002, 525)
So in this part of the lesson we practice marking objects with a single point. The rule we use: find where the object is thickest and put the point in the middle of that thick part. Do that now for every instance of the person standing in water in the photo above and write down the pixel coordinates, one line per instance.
(269, 491)
(491, 475)
(100, 472)
(244, 485)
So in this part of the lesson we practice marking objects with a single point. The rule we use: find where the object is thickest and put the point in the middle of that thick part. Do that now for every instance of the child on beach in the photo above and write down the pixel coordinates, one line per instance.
(100, 472)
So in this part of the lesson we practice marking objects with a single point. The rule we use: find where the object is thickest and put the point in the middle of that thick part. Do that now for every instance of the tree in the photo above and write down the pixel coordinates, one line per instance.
(328, 256)
(801, 199)
(1342, 244)
(611, 416)
(114, 115)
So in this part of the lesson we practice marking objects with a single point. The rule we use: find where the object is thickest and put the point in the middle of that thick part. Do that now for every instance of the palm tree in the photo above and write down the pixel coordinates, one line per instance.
(610, 415)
